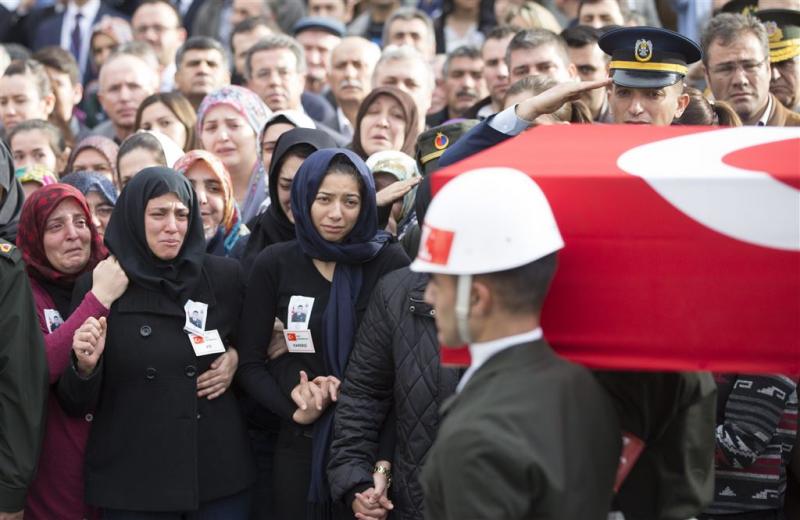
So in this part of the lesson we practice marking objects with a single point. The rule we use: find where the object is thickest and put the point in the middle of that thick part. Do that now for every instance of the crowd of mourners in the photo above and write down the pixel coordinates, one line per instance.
(208, 209)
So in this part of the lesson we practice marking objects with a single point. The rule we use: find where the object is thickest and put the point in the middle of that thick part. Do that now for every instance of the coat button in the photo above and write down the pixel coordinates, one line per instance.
(89, 417)
(199, 416)
(150, 373)
(412, 308)
(145, 331)
(190, 370)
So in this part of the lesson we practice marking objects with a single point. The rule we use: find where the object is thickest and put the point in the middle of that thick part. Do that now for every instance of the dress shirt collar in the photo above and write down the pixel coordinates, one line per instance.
(482, 352)
(767, 113)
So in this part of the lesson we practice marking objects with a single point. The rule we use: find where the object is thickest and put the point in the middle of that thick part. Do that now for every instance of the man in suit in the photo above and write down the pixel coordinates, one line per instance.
(528, 434)
(71, 29)
(738, 70)
(275, 70)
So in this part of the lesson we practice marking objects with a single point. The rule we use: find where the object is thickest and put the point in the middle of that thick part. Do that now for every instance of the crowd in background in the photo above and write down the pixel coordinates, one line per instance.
(268, 161)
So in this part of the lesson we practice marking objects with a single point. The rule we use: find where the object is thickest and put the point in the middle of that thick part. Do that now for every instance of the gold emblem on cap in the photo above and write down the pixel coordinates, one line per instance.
(773, 31)
(643, 50)
(5, 248)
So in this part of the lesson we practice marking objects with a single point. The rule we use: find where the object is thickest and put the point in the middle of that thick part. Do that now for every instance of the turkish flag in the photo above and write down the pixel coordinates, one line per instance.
(682, 244)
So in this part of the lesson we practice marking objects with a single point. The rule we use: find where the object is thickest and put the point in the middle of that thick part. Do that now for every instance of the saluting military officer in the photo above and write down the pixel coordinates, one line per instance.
(647, 69)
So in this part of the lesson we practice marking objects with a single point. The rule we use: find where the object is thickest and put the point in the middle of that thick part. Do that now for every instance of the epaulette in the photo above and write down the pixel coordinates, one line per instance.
(10, 252)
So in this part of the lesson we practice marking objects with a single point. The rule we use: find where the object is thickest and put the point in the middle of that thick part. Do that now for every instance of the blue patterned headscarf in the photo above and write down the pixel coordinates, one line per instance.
(362, 244)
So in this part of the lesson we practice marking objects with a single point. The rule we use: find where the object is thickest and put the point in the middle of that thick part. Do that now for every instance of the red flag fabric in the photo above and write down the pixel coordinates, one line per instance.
(682, 244)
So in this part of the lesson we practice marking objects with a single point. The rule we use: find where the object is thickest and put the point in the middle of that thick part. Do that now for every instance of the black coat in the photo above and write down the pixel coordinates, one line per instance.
(154, 445)
(394, 363)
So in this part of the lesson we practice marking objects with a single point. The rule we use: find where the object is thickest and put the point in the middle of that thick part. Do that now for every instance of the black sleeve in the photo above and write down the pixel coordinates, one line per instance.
(78, 395)
(364, 401)
(23, 386)
(255, 330)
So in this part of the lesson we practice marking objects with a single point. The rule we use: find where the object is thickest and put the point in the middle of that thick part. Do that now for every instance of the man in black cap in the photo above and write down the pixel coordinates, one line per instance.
(318, 36)
(647, 68)
(783, 32)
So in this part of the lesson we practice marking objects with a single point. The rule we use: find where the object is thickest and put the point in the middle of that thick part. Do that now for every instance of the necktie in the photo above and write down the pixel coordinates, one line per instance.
(75, 47)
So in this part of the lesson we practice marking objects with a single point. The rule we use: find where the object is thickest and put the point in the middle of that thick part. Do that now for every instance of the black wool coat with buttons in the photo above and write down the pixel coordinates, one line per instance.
(154, 445)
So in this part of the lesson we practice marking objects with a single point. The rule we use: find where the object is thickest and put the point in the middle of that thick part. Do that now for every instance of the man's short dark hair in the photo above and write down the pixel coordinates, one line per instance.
(522, 290)
(201, 43)
(465, 51)
(500, 32)
(55, 57)
(623, 8)
(276, 41)
(580, 36)
(534, 38)
(250, 24)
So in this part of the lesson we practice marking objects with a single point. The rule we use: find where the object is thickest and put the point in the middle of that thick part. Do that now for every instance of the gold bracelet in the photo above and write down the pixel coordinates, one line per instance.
(385, 471)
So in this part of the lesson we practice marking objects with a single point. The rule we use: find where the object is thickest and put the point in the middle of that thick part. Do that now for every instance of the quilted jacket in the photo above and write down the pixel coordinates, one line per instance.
(394, 364)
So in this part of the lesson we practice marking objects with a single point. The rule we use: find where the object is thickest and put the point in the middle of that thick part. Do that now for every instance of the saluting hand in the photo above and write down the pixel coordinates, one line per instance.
(553, 98)
(88, 343)
(109, 281)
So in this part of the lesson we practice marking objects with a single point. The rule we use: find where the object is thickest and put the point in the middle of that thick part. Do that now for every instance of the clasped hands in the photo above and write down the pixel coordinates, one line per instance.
(373, 503)
(313, 397)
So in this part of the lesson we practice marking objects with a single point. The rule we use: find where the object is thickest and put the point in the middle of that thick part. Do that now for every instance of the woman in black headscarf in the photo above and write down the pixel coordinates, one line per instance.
(320, 284)
(276, 224)
(163, 439)
(11, 197)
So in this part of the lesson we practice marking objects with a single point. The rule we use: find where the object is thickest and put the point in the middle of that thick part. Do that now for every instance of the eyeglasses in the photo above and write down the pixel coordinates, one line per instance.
(749, 67)
(158, 29)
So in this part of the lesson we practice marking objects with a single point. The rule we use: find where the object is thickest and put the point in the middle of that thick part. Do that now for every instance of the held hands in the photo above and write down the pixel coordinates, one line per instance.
(313, 397)
(88, 343)
(109, 281)
(214, 381)
(396, 191)
(11, 516)
(551, 99)
(373, 503)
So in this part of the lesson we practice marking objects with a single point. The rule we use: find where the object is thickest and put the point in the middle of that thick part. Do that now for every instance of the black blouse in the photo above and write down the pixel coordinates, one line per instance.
(281, 271)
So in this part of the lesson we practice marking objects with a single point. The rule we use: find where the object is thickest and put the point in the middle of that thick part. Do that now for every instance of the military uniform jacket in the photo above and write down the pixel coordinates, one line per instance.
(23, 381)
(530, 436)
(154, 445)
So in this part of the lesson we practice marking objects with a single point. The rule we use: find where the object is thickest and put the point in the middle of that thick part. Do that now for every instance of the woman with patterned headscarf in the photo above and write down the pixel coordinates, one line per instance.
(228, 123)
(226, 234)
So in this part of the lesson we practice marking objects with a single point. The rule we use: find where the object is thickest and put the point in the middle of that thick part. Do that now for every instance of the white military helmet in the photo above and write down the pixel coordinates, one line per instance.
(486, 221)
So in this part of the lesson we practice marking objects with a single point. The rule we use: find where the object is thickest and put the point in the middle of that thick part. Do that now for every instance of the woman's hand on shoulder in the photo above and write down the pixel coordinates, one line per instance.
(215, 381)
(109, 281)
(88, 343)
